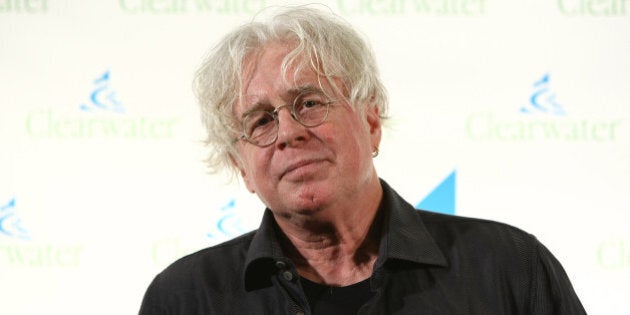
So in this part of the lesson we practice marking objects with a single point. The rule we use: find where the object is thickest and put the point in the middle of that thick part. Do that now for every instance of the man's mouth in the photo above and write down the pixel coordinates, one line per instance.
(298, 166)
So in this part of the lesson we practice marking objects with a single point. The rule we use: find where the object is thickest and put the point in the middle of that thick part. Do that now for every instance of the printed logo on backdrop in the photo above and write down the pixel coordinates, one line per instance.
(442, 198)
(10, 222)
(543, 100)
(610, 8)
(228, 224)
(436, 8)
(103, 97)
(542, 118)
(224, 224)
(18, 249)
(24, 6)
(225, 7)
(100, 116)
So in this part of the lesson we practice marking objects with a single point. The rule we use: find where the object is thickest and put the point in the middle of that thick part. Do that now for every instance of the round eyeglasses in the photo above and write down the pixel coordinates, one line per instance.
(260, 127)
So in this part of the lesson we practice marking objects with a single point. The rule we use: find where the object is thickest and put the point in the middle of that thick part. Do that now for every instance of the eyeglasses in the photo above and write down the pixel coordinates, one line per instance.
(260, 127)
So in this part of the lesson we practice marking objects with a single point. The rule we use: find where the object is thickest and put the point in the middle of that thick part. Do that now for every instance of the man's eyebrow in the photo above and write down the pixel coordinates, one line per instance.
(258, 106)
(309, 88)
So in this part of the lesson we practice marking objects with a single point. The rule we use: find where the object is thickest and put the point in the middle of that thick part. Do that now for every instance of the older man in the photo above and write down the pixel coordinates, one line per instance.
(295, 106)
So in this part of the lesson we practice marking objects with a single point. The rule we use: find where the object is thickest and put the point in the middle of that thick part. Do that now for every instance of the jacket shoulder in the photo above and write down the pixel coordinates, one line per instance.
(487, 238)
(442, 224)
(222, 259)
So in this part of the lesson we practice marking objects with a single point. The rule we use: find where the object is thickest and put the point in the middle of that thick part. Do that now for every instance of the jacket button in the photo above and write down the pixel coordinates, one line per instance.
(287, 275)
(280, 264)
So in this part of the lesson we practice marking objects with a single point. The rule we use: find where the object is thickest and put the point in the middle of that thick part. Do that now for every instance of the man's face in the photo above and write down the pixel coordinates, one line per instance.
(306, 169)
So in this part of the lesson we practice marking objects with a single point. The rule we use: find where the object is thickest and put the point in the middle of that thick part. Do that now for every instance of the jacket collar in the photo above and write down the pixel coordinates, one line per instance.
(264, 251)
(403, 237)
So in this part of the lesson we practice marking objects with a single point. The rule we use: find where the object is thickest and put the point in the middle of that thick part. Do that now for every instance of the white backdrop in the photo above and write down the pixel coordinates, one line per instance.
(520, 109)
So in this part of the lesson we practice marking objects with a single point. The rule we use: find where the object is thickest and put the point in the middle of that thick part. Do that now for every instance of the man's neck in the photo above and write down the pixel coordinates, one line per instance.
(339, 249)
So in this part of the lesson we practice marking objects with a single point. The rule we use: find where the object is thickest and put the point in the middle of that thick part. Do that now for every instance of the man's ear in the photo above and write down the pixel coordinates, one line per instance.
(236, 162)
(373, 120)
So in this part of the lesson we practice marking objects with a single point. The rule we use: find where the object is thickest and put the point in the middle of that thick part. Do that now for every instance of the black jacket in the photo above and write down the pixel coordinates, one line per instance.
(428, 263)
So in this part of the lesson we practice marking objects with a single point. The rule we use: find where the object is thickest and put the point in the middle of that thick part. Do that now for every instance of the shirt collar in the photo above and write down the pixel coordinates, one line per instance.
(403, 237)
(263, 253)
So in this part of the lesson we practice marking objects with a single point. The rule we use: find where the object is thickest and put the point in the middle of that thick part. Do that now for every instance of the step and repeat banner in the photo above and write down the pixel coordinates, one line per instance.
(516, 111)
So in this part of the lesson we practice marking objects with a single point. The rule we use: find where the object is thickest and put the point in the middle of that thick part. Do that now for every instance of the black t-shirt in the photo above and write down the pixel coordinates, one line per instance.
(329, 300)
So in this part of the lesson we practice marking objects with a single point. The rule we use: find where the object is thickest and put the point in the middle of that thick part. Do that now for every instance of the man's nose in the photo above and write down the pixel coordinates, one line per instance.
(290, 132)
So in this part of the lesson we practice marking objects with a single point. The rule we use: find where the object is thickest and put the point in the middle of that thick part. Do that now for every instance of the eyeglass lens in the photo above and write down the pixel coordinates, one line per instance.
(260, 127)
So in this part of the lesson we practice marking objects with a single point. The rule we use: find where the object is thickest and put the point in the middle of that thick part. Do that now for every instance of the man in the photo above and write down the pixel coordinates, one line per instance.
(295, 106)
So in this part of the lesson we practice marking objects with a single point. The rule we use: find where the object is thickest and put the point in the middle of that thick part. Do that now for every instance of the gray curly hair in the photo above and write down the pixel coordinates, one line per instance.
(324, 42)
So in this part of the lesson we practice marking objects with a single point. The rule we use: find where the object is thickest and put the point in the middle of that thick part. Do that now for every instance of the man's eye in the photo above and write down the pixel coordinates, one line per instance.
(258, 122)
(262, 121)
(311, 103)
(307, 105)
